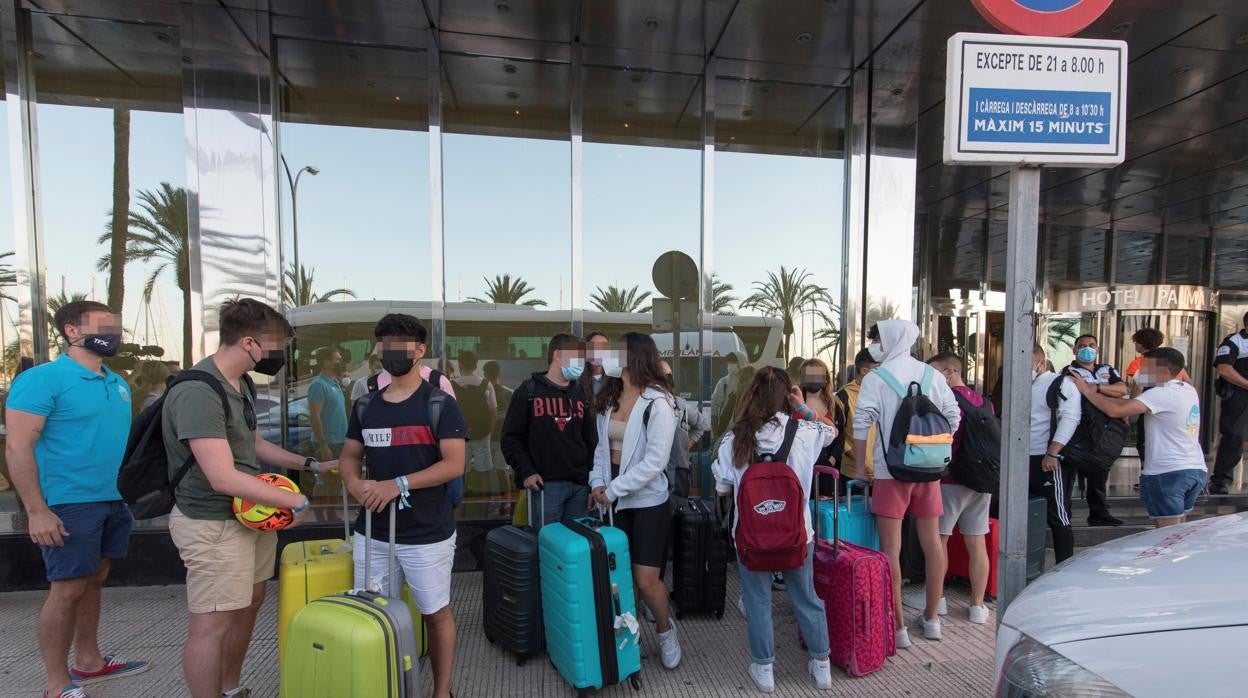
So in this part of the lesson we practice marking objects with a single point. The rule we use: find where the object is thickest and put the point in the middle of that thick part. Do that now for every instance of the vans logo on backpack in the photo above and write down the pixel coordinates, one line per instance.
(770, 506)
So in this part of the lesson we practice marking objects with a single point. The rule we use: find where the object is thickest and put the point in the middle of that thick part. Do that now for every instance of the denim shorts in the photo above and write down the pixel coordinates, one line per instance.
(97, 530)
(1171, 495)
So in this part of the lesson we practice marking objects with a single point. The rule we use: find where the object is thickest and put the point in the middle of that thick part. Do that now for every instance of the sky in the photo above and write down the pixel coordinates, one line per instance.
(364, 219)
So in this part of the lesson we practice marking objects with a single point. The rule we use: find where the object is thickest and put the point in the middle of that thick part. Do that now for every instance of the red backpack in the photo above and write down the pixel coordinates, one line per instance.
(771, 512)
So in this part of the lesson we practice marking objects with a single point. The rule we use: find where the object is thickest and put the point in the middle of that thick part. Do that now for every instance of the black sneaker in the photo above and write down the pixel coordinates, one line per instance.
(1104, 520)
(777, 581)
(1219, 489)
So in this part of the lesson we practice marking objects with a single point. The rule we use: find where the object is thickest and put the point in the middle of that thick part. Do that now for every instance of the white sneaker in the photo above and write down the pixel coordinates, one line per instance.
(979, 615)
(931, 628)
(821, 671)
(943, 608)
(903, 638)
(669, 647)
(763, 677)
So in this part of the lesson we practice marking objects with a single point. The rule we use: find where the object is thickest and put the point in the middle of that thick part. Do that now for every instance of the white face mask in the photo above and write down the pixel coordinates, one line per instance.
(876, 351)
(733, 370)
(611, 365)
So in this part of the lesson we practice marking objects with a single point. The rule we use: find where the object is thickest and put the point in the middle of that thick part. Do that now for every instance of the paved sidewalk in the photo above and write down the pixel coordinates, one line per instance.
(150, 623)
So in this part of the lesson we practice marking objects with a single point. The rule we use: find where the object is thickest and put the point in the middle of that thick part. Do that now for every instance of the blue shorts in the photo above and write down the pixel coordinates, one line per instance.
(97, 530)
(1171, 495)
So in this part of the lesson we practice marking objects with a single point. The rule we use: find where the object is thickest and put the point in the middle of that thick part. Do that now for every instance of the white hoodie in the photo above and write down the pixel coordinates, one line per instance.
(878, 403)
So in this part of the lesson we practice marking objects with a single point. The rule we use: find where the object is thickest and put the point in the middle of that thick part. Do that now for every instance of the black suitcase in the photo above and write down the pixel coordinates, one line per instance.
(1037, 536)
(699, 561)
(512, 593)
(913, 561)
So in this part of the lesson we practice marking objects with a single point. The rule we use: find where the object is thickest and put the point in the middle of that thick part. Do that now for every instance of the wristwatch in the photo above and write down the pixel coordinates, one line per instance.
(1055, 456)
(308, 464)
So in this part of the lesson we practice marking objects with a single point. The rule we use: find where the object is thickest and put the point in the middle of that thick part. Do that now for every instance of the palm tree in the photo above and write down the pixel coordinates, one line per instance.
(159, 231)
(880, 309)
(721, 296)
(55, 303)
(785, 294)
(621, 300)
(118, 227)
(8, 277)
(297, 289)
(828, 337)
(505, 290)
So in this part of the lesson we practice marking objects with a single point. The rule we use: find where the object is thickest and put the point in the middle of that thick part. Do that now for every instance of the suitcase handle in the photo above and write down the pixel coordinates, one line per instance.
(368, 549)
(836, 503)
(866, 494)
(530, 496)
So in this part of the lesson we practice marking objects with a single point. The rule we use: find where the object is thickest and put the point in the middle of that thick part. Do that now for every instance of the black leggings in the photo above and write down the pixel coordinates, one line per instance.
(647, 529)
(1056, 488)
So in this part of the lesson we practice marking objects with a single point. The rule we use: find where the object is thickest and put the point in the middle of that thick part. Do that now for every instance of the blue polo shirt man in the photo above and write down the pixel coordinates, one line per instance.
(67, 423)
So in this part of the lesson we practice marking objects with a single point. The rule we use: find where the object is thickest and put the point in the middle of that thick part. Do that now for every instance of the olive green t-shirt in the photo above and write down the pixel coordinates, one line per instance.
(193, 411)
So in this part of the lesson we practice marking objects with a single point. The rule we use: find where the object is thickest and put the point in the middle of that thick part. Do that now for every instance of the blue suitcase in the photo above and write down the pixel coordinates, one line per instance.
(857, 521)
(588, 607)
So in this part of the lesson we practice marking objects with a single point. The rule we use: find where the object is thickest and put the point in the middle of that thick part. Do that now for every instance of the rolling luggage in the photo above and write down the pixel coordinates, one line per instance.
(588, 606)
(913, 561)
(856, 586)
(699, 561)
(511, 594)
(359, 644)
(857, 521)
(959, 559)
(1037, 536)
(312, 569)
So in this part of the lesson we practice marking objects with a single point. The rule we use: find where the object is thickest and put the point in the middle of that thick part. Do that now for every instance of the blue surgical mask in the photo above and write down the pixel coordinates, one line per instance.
(573, 369)
(1087, 355)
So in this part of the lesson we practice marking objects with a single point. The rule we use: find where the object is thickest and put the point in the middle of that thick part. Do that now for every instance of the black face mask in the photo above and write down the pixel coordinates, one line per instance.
(104, 345)
(814, 387)
(397, 362)
(269, 364)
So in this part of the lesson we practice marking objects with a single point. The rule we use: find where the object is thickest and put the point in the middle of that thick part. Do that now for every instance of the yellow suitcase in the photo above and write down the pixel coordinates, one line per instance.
(309, 570)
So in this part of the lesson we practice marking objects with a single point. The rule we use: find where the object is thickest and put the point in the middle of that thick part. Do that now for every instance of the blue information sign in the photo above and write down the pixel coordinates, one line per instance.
(1002, 115)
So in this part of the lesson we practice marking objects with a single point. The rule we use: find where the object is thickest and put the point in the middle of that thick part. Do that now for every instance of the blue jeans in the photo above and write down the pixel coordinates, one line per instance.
(1173, 494)
(559, 500)
(812, 619)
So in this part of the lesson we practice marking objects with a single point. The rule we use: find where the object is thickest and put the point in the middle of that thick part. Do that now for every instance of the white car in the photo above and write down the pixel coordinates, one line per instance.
(1162, 613)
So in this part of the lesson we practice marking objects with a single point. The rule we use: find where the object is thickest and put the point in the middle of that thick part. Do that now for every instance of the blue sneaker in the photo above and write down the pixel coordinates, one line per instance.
(113, 668)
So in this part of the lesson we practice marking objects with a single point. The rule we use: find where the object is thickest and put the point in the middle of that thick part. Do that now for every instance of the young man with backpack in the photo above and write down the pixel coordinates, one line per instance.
(549, 434)
(1055, 415)
(67, 422)
(911, 454)
(216, 450)
(414, 438)
(1095, 479)
(976, 458)
(1174, 472)
(846, 406)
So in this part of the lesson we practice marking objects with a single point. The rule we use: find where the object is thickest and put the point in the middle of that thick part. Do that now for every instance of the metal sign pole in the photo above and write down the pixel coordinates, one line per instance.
(1020, 283)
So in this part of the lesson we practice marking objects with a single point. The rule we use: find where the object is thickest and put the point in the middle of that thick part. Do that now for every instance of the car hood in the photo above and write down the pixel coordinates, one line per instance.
(1186, 576)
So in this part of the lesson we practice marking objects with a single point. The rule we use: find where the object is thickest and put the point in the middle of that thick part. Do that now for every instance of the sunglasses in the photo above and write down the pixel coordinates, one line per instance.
(249, 413)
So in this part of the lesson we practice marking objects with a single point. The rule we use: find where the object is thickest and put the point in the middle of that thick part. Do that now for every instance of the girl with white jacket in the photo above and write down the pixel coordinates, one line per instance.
(636, 424)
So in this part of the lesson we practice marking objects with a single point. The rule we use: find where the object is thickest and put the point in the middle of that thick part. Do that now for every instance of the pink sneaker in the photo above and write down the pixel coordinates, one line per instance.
(113, 668)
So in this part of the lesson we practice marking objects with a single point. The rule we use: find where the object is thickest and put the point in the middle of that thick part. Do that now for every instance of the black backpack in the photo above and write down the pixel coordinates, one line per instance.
(144, 480)
(978, 463)
(1099, 438)
(476, 409)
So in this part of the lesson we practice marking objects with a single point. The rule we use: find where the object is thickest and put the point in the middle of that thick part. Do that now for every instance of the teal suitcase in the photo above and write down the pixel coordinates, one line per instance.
(857, 521)
(588, 607)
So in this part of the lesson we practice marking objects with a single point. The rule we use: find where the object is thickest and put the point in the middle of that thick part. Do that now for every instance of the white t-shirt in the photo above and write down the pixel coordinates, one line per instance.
(810, 439)
(1172, 430)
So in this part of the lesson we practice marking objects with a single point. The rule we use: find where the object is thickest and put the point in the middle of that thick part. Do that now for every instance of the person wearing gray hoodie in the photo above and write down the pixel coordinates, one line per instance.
(892, 499)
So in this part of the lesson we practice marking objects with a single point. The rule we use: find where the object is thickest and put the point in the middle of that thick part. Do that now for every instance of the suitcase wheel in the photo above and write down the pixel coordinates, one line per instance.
(521, 659)
(489, 639)
(583, 693)
(680, 615)
(719, 615)
(635, 681)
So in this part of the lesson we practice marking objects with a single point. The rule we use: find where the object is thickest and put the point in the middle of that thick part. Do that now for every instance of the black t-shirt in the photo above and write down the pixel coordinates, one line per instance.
(398, 441)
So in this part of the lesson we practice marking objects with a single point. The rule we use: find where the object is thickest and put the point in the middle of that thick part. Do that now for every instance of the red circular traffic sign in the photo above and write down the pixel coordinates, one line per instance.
(1041, 17)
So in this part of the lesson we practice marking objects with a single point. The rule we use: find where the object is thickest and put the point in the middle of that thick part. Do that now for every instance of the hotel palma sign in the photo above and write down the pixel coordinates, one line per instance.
(1139, 298)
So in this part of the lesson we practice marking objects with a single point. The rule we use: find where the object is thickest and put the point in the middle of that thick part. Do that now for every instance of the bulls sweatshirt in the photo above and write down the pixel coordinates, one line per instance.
(549, 430)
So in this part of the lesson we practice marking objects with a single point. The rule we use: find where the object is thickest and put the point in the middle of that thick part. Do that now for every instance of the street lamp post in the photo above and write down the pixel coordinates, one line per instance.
(294, 216)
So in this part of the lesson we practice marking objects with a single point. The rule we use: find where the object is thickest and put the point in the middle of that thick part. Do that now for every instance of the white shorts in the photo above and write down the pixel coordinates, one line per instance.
(966, 508)
(480, 456)
(425, 568)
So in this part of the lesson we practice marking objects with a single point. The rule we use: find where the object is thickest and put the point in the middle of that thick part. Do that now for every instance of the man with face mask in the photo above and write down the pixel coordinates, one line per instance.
(1107, 382)
(1051, 476)
(724, 395)
(327, 406)
(227, 564)
(67, 425)
(549, 435)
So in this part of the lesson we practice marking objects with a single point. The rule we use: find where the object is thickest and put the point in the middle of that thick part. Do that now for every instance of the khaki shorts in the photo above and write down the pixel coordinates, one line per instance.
(224, 561)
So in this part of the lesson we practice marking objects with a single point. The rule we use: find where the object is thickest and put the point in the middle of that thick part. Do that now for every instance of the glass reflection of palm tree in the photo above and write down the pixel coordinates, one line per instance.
(1062, 333)
(785, 294)
(721, 296)
(880, 309)
(159, 231)
(8, 277)
(828, 337)
(621, 300)
(297, 289)
(504, 290)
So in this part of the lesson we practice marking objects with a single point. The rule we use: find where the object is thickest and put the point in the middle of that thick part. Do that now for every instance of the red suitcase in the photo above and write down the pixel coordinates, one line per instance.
(856, 585)
(959, 560)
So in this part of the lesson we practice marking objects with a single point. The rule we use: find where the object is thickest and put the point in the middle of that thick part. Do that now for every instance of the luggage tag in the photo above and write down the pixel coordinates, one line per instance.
(623, 620)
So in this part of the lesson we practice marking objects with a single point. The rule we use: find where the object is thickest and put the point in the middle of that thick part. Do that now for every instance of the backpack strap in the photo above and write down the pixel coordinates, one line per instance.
(372, 382)
(196, 375)
(889, 379)
(782, 454)
(645, 416)
(435, 378)
(926, 383)
(437, 400)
